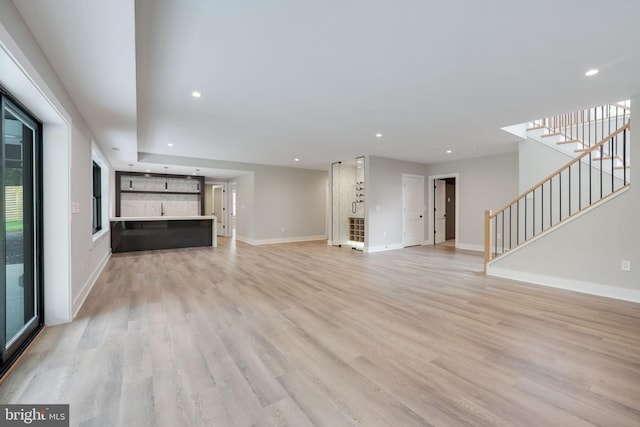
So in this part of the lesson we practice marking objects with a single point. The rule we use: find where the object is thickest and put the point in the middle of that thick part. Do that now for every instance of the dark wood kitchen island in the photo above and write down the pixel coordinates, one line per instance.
(162, 232)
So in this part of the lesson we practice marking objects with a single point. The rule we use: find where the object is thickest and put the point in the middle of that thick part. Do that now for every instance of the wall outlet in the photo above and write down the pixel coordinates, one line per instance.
(625, 265)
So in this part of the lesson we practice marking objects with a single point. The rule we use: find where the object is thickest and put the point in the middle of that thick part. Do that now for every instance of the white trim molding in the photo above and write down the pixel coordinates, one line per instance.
(79, 300)
(567, 284)
(382, 248)
(280, 240)
(470, 247)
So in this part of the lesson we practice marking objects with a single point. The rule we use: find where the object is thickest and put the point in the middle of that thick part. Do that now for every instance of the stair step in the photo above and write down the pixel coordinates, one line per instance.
(606, 158)
(536, 128)
(546, 135)
(622, 167)
(569, 141)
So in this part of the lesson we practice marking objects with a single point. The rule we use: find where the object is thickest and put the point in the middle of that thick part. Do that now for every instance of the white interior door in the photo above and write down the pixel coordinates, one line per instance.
(413, 209)
(440, 210)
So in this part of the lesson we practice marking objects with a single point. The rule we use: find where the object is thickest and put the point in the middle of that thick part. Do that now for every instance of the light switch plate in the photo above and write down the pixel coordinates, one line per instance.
(625, 265)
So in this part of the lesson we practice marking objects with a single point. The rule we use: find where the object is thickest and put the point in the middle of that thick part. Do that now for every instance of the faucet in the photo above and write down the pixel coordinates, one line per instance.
(161, 209)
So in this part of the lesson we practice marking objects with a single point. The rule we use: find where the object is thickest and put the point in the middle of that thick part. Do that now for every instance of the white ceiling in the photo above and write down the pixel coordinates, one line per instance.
(317, 80)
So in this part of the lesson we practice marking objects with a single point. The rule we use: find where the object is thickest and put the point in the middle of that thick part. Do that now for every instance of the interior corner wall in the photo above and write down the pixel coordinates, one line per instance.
(383, 201)
(483, 183)
(536, 162)
(88, 256)
(289, 204)
(208, 200)
(585, 254)
(245, 207)
(66, 170)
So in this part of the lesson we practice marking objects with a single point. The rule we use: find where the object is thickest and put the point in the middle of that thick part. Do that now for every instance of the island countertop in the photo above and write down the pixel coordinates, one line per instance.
(159, 218)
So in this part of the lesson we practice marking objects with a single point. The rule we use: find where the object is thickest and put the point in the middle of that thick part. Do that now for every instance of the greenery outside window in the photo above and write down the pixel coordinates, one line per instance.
(97, 198)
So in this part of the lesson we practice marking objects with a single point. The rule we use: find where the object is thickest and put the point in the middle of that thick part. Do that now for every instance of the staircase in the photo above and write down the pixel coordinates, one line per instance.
(598, 140)
(576, 132)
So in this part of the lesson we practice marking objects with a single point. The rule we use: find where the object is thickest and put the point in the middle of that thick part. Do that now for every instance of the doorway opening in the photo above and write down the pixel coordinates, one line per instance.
(444, 212)
(232, 219)
(217, 206)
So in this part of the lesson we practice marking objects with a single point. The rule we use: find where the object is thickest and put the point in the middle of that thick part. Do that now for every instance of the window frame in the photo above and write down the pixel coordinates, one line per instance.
(96, 198)
(98, 159)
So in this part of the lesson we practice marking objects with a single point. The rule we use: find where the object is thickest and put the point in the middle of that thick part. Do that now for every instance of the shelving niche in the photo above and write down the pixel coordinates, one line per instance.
(356, 229)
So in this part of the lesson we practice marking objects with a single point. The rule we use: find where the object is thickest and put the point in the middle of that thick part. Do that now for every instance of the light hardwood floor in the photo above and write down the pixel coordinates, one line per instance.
(305, 334)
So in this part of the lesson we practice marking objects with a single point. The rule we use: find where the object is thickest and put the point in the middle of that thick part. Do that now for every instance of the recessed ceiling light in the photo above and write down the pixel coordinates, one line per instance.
(449, 151)
(170, 144)
(591, 72)
(378, 135)
(296, 159)
(196, 94)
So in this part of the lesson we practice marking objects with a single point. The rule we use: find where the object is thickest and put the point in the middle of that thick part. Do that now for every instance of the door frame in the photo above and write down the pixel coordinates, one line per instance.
(225, 217)
(430, 205)
(421, 177)
(10, 353)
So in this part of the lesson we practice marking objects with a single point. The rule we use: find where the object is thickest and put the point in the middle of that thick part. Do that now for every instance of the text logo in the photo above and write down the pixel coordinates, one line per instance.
(34, 415)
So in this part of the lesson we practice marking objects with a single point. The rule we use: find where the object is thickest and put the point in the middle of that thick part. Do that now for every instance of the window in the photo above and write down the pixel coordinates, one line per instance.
(97, 198)
(100, 173)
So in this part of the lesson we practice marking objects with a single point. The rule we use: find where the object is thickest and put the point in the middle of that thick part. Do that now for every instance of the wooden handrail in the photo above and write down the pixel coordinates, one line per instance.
(559, 171)
(487, 239)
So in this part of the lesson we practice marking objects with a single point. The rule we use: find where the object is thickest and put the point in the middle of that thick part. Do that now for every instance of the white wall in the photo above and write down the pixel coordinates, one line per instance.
(483, 183)
(245, 207)
(87, 256)
(289, 204)
(536, 162)
(72, 259)
(208, 199)
(383, 195)
(585, 254)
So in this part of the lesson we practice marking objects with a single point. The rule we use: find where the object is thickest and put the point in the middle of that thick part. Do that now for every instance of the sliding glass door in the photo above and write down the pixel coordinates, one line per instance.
(21, 292)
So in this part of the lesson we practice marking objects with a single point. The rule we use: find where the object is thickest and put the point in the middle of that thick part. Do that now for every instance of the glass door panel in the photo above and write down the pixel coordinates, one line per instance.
(336, 236)
(359, 211)
(20, 294)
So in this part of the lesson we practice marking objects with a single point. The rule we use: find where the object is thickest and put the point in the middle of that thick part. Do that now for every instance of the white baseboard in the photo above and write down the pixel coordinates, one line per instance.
(79, 300)
(568, 284)
(280, 240)
(468, 247)
(381, 248)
